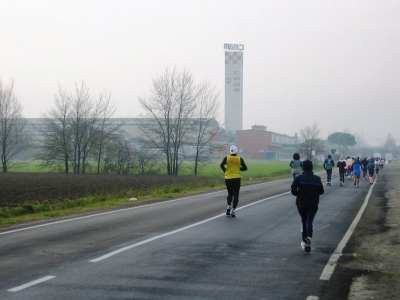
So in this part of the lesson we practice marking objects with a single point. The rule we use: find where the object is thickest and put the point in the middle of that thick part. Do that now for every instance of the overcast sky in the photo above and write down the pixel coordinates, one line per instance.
(334, 63)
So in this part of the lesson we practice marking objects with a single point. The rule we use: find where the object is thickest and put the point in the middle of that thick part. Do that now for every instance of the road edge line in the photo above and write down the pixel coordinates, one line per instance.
(332, 262)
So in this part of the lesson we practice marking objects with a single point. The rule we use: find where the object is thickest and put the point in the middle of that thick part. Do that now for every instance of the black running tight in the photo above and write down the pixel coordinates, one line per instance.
(233, 187)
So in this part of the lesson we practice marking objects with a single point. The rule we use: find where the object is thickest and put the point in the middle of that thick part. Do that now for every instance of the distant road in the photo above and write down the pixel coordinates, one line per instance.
(180, 249)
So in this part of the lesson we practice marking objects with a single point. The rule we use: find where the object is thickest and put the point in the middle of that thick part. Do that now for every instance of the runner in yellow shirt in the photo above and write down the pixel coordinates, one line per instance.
(232, 165)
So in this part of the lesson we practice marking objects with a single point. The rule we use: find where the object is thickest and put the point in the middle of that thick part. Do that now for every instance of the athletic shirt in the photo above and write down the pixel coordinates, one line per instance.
(349, 162)
(357, 166)
(376, 164)
(296, 165)
(328, 164)
(232, 167)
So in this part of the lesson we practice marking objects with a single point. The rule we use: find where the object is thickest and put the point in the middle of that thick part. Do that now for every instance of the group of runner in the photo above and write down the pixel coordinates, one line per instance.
(354, 167)
(306, 186)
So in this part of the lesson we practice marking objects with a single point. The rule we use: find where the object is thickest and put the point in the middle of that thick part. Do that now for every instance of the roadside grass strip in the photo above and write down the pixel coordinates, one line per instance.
(129, 208)
(330, 266)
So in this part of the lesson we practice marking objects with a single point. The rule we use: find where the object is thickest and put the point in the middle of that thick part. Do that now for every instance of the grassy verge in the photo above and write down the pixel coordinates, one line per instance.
(28, 212)
(258, 171)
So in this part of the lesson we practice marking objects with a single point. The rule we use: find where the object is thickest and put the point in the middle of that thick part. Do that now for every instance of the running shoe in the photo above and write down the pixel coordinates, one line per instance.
(308, 245)
(228, 210)
(233, 214)
(303, 246)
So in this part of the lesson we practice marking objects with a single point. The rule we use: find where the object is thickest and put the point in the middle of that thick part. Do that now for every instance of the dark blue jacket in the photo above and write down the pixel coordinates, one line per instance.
(307, 187)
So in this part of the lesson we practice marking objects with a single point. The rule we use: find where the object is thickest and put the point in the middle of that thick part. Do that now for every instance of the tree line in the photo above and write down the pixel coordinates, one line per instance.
(76, 131)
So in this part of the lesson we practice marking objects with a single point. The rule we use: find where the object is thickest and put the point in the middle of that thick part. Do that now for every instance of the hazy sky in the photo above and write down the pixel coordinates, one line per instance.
(336, 63)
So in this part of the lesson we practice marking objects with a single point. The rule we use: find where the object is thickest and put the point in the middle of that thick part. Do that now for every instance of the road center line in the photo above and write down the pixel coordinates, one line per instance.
(176, 231)
(29, 284)
(330, 266)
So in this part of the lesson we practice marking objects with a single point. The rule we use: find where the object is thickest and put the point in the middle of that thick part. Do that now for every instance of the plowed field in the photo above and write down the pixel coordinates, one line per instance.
(17, 188)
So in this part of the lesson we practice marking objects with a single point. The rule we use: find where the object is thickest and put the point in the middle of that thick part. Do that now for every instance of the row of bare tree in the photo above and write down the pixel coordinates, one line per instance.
(75, 129)
(184, 114)
(177, 114)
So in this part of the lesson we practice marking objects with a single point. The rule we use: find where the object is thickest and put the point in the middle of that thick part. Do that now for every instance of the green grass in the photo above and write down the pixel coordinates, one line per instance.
(257, 171)
(26, 166)
(45, 210)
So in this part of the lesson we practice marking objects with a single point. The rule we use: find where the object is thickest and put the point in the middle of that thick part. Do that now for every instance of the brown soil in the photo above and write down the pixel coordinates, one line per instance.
(18, 188)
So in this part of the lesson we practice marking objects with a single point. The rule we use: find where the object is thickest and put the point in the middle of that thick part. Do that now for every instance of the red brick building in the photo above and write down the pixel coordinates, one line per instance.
(257, 142)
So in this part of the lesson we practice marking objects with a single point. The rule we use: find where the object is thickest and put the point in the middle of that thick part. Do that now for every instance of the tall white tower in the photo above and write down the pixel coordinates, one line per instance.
(233, 86)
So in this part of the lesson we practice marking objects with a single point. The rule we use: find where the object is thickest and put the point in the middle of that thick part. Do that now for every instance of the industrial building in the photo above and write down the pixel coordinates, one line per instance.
(260, 143)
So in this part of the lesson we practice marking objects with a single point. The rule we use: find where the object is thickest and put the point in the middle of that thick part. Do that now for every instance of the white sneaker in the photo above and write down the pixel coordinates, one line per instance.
(303, 246)
(233, 214)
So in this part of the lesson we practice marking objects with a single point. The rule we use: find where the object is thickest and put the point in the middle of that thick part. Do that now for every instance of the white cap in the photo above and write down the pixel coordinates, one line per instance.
(234, 149)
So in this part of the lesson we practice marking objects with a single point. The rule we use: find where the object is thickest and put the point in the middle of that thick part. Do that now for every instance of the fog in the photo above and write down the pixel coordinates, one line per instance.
(334, 63)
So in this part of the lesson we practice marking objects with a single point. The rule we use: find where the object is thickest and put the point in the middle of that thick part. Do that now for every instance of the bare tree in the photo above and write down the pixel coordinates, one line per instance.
(389, 144)
(105, 130)
(310, 141)
(360, 141)
(81, 106)
(168, 112)
(13, 137)
(56, 134)
(119, 158)
(146, 160)
(206, 126)
(75, 128)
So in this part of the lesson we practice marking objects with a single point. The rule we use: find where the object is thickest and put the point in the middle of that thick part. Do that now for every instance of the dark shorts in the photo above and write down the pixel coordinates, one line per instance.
(371, 173)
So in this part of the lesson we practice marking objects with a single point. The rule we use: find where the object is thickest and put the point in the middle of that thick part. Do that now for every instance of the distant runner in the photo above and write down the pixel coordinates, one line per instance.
(371, 170)
(357, 167)
(328, 165)
(342, 170)
(364, 167)
(296, 165)
(349, 164)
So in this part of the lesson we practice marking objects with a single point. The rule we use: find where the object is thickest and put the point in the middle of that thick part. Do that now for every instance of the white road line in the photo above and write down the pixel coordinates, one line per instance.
(101, 214)
(29, 284)
(125, 209)
(330, 266)
(175, 231)
(312, 298)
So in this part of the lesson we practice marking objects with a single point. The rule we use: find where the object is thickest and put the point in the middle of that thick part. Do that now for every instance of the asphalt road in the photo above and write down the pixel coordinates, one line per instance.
(181, 249)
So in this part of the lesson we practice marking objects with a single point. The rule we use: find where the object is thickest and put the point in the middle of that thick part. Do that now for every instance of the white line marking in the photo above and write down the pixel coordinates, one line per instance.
(101, 214)
(312, 298)
(125, 209)
(29, 284)
(330, 266)
(175, 231)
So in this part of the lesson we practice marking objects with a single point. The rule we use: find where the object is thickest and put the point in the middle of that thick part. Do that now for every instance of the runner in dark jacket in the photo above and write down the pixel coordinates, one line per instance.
(342, 170)
(307, 187)
(364, 163)
(371, 170)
